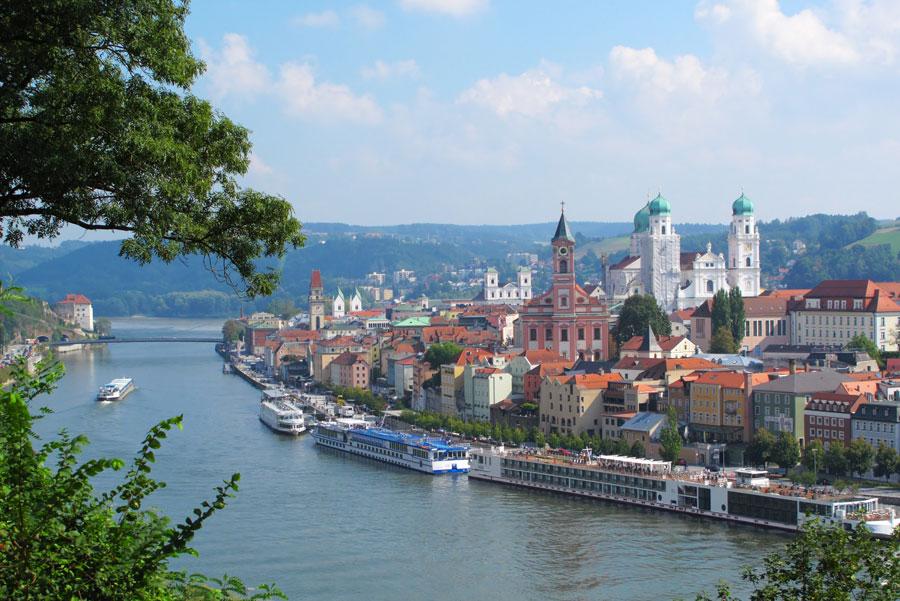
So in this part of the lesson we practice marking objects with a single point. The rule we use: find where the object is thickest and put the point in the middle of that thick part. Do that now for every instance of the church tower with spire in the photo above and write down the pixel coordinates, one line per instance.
(316, 301)
(566, 319)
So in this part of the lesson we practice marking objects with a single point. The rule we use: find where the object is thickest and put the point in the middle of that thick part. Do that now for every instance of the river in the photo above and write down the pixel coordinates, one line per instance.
(325, 526)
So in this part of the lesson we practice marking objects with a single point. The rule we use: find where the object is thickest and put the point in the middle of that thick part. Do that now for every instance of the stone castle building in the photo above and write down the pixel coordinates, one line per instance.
(655, 264)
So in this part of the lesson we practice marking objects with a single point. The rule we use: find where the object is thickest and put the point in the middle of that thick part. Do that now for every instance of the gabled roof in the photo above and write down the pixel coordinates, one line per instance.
(75, 299)
(806, 382)
(645, 421)
(541, 356)
(642, 363)
(348, 358)
(652, 342)
(624, 263)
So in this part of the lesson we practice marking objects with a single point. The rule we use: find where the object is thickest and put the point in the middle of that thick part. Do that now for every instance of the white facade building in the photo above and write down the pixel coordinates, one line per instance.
(493, 293)
(679, 280)
(77, 309)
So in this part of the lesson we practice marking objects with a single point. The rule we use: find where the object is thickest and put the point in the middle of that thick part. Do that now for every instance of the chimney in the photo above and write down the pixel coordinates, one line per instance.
(792, 366)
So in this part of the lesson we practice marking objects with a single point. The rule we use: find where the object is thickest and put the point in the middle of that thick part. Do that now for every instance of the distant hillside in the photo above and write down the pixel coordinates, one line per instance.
(889, 235)
(346, 253)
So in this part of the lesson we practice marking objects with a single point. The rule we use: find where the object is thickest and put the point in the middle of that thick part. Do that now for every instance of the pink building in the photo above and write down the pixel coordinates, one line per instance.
(566, 319)
(350, 370)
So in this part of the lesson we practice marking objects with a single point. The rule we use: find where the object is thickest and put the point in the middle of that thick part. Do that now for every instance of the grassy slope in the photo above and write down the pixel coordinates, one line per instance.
(607, 245)
(889, 233)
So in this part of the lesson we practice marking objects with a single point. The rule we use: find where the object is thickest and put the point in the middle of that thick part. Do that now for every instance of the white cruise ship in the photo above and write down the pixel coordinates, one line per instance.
(745, 496)
(280, 414)
(116, 390)
(417, 452)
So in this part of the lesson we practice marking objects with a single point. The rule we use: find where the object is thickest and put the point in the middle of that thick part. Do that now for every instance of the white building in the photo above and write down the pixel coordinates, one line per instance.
(338, 305)
(77, 309)
(680, 280)
(517, 293)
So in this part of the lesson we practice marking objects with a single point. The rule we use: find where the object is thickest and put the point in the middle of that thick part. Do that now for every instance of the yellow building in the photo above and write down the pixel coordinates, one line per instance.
(573, 404)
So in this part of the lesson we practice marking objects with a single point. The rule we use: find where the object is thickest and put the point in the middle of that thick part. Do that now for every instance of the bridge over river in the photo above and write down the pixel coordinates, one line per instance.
(145, 339)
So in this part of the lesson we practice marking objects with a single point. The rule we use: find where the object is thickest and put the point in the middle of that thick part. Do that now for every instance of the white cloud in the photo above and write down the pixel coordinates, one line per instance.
(232, 71)
(326, 18)
(530, 94)
(658, 77)
(382, 70)
(454, 8)
(802, 39)
(258, 166)
(367, 17)
(304, 97)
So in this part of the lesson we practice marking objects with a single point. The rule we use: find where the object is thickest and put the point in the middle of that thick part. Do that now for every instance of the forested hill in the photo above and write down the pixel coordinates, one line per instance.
(836, 246)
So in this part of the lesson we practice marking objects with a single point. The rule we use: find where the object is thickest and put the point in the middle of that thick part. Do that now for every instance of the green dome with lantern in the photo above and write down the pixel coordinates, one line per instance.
(742, 206)
(660, 206)
(642, 219)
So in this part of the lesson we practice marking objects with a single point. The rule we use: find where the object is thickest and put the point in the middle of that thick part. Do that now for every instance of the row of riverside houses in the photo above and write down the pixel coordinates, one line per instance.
(548, 362)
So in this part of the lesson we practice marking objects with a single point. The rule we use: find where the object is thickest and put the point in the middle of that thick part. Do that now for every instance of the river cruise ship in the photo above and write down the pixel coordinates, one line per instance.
(278, 412)
(417, 452)
(116, 390)
(745, 495)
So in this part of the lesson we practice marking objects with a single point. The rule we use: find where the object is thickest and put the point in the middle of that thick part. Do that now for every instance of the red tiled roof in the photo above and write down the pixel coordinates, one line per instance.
(682, 315)
(315, 280)
(637, 363)
(542, 356)
(75, 299)
(892, 366)
(788, 293)
(666, 343)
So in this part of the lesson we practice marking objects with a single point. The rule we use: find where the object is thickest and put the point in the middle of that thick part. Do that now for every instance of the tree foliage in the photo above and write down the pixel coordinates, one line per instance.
(61, 540)
(722, 341)
(670, 438)
(100, 130)
(442, 353)
(759, 451)
(836, 460)
(738, 314)
(786, 450)
(864, 343)
(825, 563)
(886, 461)
(639, 312)
(860, 456)
(233, 330)
(814, 456)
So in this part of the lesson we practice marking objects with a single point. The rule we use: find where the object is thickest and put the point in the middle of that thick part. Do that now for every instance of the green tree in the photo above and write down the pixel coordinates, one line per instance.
(232, 330)
(61, 540)
(836, 463)
(639, 312)
(539, 439)
(825, 563)
(786, 450)
(670, 438)
(863, 342)
(283, 307)
(814, 456)
(518, 436)
(442, 353)
(554, 440)
(860, 455)
(637, 449)
(722, 341)
(759, 451)
(886, 461)
(100, 130)
(102, 326)
(738, 315)
(621, 447)
(721, 311)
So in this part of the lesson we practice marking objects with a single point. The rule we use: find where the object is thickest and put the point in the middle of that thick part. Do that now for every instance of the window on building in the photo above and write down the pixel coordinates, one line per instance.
(857, 303)
(580, 333)
(564, 266)
(664, 230)
(709, 286)
(564, 334)
(532, 334)
(563, 301)
(596, 334)
(548, 334)
(748, 261)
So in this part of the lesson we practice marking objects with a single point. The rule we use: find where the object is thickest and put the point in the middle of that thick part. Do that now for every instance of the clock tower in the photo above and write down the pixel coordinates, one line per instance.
(743, 248)
(316, 301)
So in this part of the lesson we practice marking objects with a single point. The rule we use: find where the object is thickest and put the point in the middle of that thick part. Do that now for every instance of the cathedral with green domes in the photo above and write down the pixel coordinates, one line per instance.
(680, 280)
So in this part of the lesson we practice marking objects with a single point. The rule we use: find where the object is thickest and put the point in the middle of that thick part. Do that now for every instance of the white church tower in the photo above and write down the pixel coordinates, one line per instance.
(356, 301)
(743, 248)
(661, 256)
(523, 277)
(338, 306)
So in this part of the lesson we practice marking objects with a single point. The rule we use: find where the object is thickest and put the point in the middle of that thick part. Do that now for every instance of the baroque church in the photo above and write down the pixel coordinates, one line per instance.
(680, 280)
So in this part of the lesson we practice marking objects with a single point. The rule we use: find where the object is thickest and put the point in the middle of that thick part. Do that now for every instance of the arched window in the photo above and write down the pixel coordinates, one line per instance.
(664, 230)
(746, 229)
(709, 286)
(563, 266)
(748, 261)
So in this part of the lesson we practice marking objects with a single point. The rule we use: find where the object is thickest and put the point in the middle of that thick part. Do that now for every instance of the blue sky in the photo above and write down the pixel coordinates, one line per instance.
(490, 111)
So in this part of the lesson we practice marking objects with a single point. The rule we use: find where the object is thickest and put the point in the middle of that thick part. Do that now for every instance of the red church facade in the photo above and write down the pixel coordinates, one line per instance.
(566, 319)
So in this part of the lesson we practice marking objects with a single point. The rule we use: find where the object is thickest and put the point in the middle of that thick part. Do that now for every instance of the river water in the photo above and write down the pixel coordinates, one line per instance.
(323, 525)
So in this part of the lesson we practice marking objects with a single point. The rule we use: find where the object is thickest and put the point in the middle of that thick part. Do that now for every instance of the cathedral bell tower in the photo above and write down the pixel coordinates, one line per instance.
(743, 248)
(563, 245)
